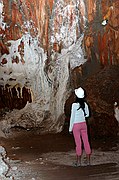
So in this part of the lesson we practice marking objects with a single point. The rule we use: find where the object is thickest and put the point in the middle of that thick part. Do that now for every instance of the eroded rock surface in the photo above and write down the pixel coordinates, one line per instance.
(41, 43)
(102, 93)
(4, 167)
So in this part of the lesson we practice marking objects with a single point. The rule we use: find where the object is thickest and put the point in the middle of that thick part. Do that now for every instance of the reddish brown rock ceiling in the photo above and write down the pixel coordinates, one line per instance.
(104, 40)
(34, 16)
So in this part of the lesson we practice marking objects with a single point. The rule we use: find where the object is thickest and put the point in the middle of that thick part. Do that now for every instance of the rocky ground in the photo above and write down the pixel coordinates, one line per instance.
(50, 157)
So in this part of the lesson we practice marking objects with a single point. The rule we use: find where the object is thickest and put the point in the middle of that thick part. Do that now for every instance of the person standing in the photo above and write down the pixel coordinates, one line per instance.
(79, 112)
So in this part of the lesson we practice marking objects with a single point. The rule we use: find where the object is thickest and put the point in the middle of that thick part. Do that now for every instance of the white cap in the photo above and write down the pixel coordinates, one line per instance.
(79, 92)
(115, 104)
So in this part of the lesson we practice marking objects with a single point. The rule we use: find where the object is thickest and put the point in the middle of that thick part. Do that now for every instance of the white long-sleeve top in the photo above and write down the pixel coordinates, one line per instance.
(77, 116)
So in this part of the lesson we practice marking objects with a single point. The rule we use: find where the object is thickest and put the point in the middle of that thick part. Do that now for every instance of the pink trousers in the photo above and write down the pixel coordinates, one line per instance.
(80, 134)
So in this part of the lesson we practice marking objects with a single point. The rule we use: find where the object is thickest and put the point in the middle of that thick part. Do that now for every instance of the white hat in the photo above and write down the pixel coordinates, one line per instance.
(79, 92)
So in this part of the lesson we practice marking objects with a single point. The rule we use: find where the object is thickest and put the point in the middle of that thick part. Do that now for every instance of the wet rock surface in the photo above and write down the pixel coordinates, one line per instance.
(50, 157)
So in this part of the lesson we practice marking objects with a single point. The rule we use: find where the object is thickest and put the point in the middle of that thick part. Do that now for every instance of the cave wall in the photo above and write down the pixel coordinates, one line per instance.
(42, 42)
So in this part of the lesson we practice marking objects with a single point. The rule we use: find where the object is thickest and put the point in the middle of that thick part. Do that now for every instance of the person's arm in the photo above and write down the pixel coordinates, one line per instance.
(72, 118)
(86, 110)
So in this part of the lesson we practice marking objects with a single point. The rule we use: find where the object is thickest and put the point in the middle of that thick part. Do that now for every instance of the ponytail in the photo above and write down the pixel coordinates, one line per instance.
(81, 102)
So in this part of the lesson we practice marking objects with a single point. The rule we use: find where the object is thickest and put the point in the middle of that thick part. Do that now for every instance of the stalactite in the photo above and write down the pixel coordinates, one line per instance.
(10, 91)
(33, 30)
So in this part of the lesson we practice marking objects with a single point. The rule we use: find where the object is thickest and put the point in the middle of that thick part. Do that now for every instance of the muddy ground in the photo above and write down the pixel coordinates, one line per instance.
(50, 157)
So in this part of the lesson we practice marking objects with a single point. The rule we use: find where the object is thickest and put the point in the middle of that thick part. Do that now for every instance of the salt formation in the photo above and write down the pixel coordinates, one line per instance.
(27, 65)
(4, 168)
(116, 110)
(41, 112)
(2, 23)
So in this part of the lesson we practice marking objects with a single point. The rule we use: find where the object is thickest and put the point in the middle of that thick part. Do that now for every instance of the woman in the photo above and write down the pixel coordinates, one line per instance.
(78, 125)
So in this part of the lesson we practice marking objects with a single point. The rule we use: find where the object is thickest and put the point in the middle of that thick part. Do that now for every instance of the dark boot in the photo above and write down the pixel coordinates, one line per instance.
(78, 161)
(88, 159)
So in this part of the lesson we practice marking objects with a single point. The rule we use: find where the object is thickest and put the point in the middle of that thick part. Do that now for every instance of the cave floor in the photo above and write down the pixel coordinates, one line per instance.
(50, 157)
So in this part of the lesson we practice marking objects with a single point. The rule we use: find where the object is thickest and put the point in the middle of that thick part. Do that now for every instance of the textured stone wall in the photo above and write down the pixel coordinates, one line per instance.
(41, 43)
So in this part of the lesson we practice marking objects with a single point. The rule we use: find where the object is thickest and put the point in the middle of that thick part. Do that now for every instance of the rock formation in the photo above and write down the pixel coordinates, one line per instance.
(44, 45)
(4, 167)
